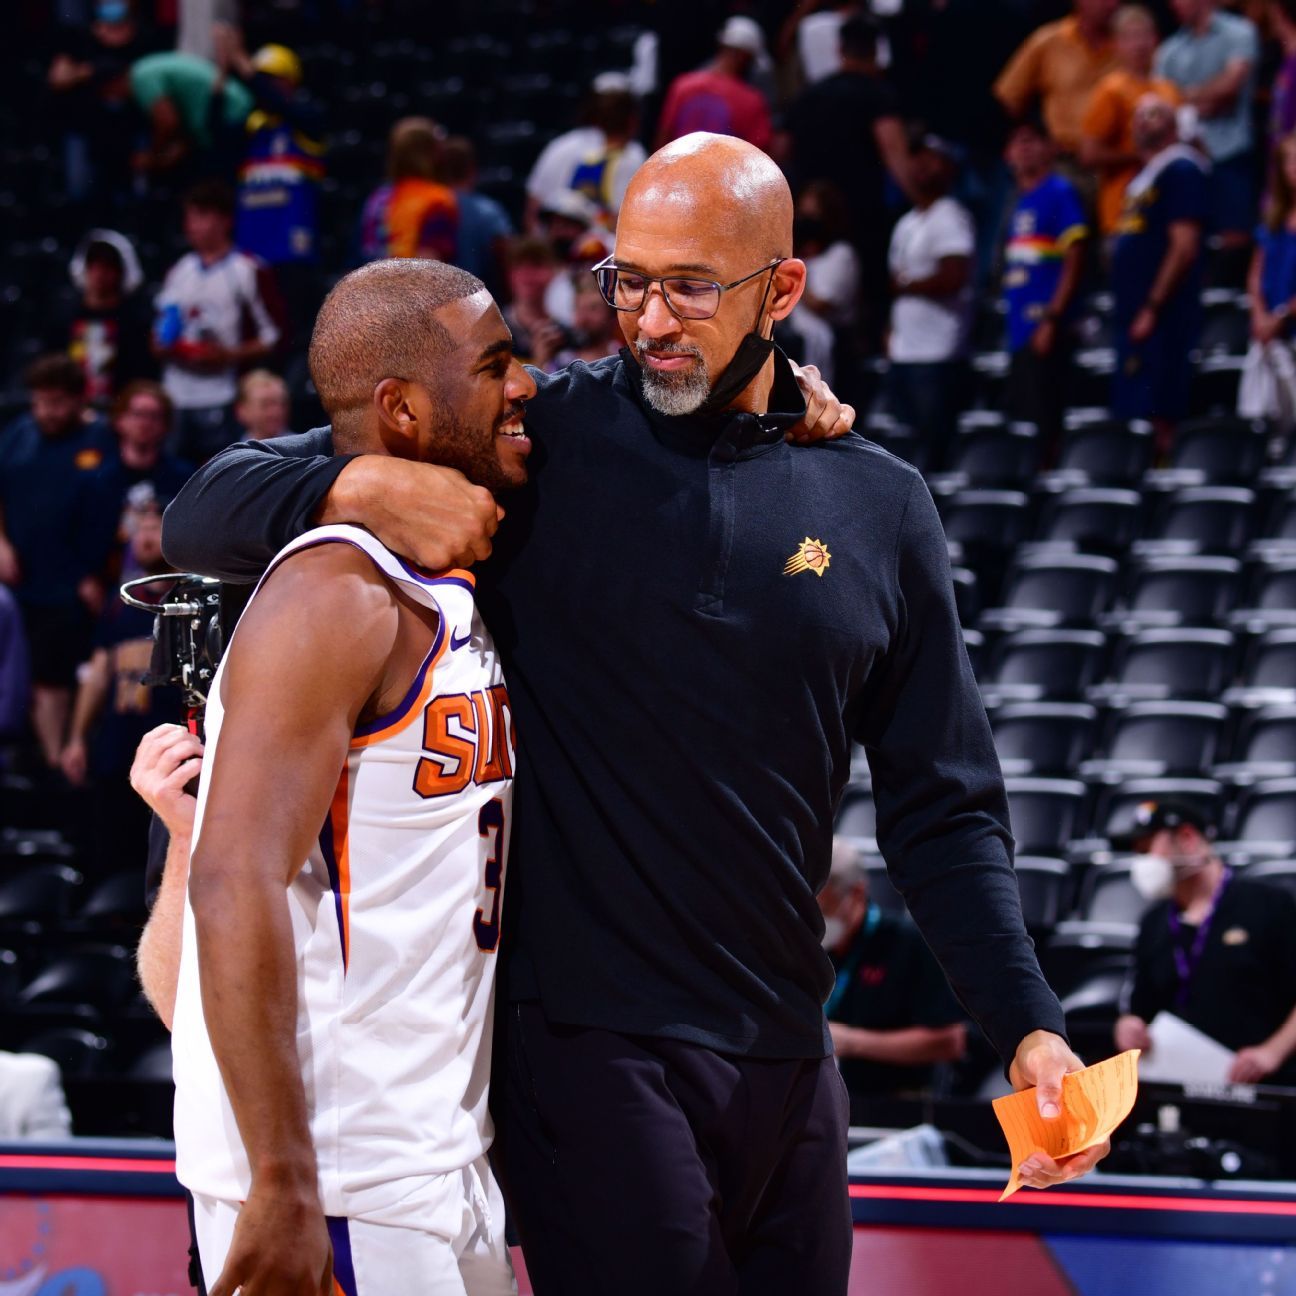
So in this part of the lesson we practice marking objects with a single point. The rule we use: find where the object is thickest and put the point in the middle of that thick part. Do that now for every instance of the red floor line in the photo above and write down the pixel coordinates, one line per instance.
(97, 1164)
(1108, 1201)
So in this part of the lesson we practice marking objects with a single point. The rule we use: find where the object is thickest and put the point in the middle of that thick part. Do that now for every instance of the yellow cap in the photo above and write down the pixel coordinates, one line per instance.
(278, 61)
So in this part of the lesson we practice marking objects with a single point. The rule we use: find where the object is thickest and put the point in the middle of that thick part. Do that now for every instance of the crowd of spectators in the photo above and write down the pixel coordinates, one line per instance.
(970, 175)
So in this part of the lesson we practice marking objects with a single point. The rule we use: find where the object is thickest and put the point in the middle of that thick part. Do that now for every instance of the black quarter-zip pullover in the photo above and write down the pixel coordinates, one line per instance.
(688, 672)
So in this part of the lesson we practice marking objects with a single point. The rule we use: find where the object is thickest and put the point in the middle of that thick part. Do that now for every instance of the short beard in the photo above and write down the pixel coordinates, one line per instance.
(674, 394)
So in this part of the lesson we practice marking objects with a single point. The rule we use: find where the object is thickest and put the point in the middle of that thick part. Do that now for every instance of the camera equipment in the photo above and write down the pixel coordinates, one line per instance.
(188, 634)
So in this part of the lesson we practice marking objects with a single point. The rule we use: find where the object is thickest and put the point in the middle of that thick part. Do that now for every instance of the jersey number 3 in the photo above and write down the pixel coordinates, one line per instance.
(491, 820)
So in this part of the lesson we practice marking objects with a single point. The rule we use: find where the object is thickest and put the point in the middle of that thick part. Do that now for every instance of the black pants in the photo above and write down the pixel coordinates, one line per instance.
(637, 1165)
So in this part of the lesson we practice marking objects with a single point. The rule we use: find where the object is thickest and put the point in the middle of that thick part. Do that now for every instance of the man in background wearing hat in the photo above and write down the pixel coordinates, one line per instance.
(1214, 949)
(719, 97)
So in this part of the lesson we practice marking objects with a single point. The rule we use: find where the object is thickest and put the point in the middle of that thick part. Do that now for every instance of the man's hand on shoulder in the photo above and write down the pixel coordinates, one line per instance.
(432, 515)
(826, 418)
(1042, 1059)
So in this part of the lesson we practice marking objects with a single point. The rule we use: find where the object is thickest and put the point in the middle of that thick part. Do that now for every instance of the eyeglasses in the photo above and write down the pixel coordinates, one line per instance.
(695, 299)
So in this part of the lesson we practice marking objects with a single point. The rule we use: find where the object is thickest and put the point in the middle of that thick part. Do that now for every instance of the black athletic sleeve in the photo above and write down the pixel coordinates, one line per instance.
(942, 814)
(240, 508)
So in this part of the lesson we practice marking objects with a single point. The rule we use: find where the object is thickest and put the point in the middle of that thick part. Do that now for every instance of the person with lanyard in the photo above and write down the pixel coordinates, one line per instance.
(891, 1013)
(1215, 949)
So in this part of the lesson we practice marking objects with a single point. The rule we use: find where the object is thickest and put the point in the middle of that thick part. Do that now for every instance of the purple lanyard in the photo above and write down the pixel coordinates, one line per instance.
(1186, 961)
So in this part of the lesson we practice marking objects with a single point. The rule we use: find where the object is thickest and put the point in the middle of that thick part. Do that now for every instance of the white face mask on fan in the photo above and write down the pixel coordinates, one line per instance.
(1154, 876)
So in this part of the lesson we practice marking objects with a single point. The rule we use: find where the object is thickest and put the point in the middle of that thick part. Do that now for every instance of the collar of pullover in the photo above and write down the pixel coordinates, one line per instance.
(731, 434)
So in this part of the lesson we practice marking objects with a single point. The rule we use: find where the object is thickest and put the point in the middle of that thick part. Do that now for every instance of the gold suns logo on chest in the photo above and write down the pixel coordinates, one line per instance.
(810, 555)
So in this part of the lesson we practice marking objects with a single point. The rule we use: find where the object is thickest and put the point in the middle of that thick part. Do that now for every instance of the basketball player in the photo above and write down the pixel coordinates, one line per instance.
(334, 1001)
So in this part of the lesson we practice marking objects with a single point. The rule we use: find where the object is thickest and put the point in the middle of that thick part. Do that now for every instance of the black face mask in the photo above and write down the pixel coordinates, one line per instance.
(747, 362)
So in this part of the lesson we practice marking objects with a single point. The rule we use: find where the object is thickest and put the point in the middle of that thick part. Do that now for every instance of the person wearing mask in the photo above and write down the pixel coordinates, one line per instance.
(1156, 273)
(51, 554)
(263, 409)
(1214, 949)
(596, 160)
(217, 311)
(931, 276)
(1056, 69)
(719, 97)
(832, 264)
(1107, 131)
(891, 1013)
(1043, 265)
(1212, 59)
(106, 329)
(414, 214)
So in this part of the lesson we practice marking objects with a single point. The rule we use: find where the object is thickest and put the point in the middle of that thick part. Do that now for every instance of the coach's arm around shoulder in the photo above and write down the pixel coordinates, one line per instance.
(308, 654)
(241, 507)
(943, 827)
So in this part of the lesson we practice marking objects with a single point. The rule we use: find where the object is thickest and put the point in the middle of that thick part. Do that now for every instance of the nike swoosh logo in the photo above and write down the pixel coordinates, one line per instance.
(456, 643)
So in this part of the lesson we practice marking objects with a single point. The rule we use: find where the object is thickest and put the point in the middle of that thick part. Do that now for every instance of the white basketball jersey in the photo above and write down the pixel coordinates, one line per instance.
(396, 919)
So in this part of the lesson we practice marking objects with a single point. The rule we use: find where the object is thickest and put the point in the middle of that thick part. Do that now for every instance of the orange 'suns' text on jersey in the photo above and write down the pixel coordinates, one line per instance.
(469, 739)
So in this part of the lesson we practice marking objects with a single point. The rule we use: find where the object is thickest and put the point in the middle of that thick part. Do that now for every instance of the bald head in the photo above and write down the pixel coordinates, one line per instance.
(379, 322)
(716, 189)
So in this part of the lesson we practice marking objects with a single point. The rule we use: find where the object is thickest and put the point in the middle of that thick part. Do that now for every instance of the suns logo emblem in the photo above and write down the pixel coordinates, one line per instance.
(811, 555)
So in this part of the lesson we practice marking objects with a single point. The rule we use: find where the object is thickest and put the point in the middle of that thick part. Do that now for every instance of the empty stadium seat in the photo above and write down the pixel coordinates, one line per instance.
(1154, 739)
(101, 978)
(117, 901)
(1177, 591)
(857, 817)
(1091, 519)
(1077, 949)
(153, 1064)
(967, 594)
(1204, 520)
(1043, 737)
(1091, 1009)
(1272, 599)
(1103, 452)
(1220, 449)
(1038, 665)
(1265, 823)
(1279, 873)
(1045, 887)
(989, 453)
(1152, 665)
(1226, 323)
(41, 893)
(1054, 590)
(79, 1053)
(986, 525)
(1269, 674)
(1108, 896)
(1266, 746)
(1045, 813)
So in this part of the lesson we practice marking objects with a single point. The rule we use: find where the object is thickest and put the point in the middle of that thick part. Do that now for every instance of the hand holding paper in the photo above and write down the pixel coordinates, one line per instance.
(1094, 1102)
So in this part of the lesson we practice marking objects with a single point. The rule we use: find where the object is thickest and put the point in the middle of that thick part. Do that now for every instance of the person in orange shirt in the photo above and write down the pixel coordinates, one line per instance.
(1107, 131)
(1058, 67)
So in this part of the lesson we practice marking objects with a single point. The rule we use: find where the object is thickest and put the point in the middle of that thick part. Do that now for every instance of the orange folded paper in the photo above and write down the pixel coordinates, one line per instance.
(1094, 1102)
